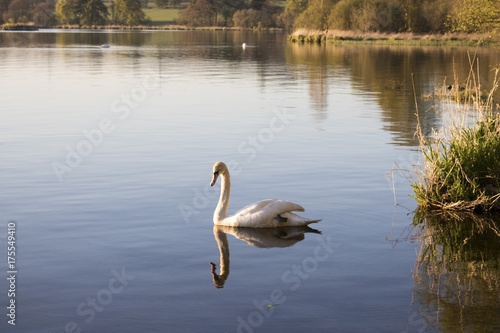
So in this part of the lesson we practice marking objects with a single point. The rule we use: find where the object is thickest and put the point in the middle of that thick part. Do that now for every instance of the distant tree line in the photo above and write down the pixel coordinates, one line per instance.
(241, 13)
(46, 13)
(419, 16)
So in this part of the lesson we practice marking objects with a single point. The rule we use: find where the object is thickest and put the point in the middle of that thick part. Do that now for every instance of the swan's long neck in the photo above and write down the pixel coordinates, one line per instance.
(221, 210)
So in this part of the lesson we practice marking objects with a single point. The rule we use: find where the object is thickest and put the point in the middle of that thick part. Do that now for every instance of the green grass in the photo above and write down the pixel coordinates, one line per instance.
(462, 160)
(161, 16)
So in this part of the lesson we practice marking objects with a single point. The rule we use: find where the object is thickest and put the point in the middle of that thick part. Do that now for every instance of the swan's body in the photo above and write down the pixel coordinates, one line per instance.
(268, 213)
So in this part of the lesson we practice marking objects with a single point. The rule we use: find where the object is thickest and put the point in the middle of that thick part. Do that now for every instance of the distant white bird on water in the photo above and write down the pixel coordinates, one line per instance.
(105, 46)
(244, 46)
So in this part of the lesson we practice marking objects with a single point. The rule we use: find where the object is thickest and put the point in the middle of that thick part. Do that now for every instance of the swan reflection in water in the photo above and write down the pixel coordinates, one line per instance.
(261, 237)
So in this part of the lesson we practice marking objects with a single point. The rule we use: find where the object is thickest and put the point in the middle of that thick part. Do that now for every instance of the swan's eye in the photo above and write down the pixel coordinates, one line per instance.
(216, 173)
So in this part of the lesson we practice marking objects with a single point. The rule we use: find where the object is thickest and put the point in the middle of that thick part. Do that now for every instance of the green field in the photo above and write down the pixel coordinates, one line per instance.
(165, 16)
(160, 16)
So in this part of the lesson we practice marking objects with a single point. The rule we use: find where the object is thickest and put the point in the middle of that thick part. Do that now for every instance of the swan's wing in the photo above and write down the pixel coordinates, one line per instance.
(264, 214)
(269, 207)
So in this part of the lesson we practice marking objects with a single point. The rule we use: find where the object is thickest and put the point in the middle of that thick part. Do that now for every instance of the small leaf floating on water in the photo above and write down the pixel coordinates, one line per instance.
(271, 305)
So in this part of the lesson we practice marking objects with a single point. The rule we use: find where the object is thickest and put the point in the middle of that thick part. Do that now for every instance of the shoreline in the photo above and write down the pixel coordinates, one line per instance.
(168, 27)
(356, 37)
(302, 36)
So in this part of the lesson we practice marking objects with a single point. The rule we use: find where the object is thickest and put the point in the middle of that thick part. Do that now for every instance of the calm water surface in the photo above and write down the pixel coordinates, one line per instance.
(106, 159)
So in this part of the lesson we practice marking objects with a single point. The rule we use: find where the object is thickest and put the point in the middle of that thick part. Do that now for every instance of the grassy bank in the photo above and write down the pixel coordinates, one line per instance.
(159, 27)
(461, 170)
(357, 37)
(19, 27)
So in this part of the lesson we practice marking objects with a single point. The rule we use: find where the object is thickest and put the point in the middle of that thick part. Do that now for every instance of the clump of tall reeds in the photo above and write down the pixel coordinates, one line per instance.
(461, 168)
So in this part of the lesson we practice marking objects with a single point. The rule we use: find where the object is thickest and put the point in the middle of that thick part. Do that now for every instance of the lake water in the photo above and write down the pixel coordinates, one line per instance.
(107, 155)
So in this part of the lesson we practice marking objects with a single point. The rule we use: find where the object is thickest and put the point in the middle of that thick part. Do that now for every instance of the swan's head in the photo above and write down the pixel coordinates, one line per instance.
(219, 169)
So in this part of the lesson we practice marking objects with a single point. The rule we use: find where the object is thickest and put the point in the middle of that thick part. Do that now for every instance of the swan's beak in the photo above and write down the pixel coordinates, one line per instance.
(214, 179)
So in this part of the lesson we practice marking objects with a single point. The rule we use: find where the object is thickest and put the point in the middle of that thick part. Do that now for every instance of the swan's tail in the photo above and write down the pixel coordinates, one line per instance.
(309, 221)
(295, 220)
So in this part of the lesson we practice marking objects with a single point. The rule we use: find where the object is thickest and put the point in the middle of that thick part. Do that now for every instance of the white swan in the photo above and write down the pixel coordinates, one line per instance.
(263, 214)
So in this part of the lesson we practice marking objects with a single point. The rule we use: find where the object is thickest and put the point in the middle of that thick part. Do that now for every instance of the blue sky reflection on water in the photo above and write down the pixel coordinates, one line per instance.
(135, 130)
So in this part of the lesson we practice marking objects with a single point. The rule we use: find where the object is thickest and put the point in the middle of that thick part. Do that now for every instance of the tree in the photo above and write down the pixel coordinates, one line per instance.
(199, 13)
(475, 16)
(227, 8)
(91, 12)
(83, 12)
(20, 11)
(252, 18)
(257, 4)
(316, 15)
(296, 6)
(293, 9)
(128, 12)
(378, 15)
(4, 6)
(411, 12)
(44, 14)
(65, 11)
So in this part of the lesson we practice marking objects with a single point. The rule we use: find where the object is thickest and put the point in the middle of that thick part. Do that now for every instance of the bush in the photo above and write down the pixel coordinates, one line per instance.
(19, 11)
(342, 14)
(286, 19)
(252, 18)
(316, 15)
(367, 15)
(378, 16)
(475, 16)
(434, 15)
(44, 14)
(91, 12)
(199, 13)
(128, 12)
(65, 12)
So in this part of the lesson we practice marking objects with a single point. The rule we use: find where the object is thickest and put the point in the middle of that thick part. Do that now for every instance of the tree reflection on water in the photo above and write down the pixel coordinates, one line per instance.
(456, 274)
